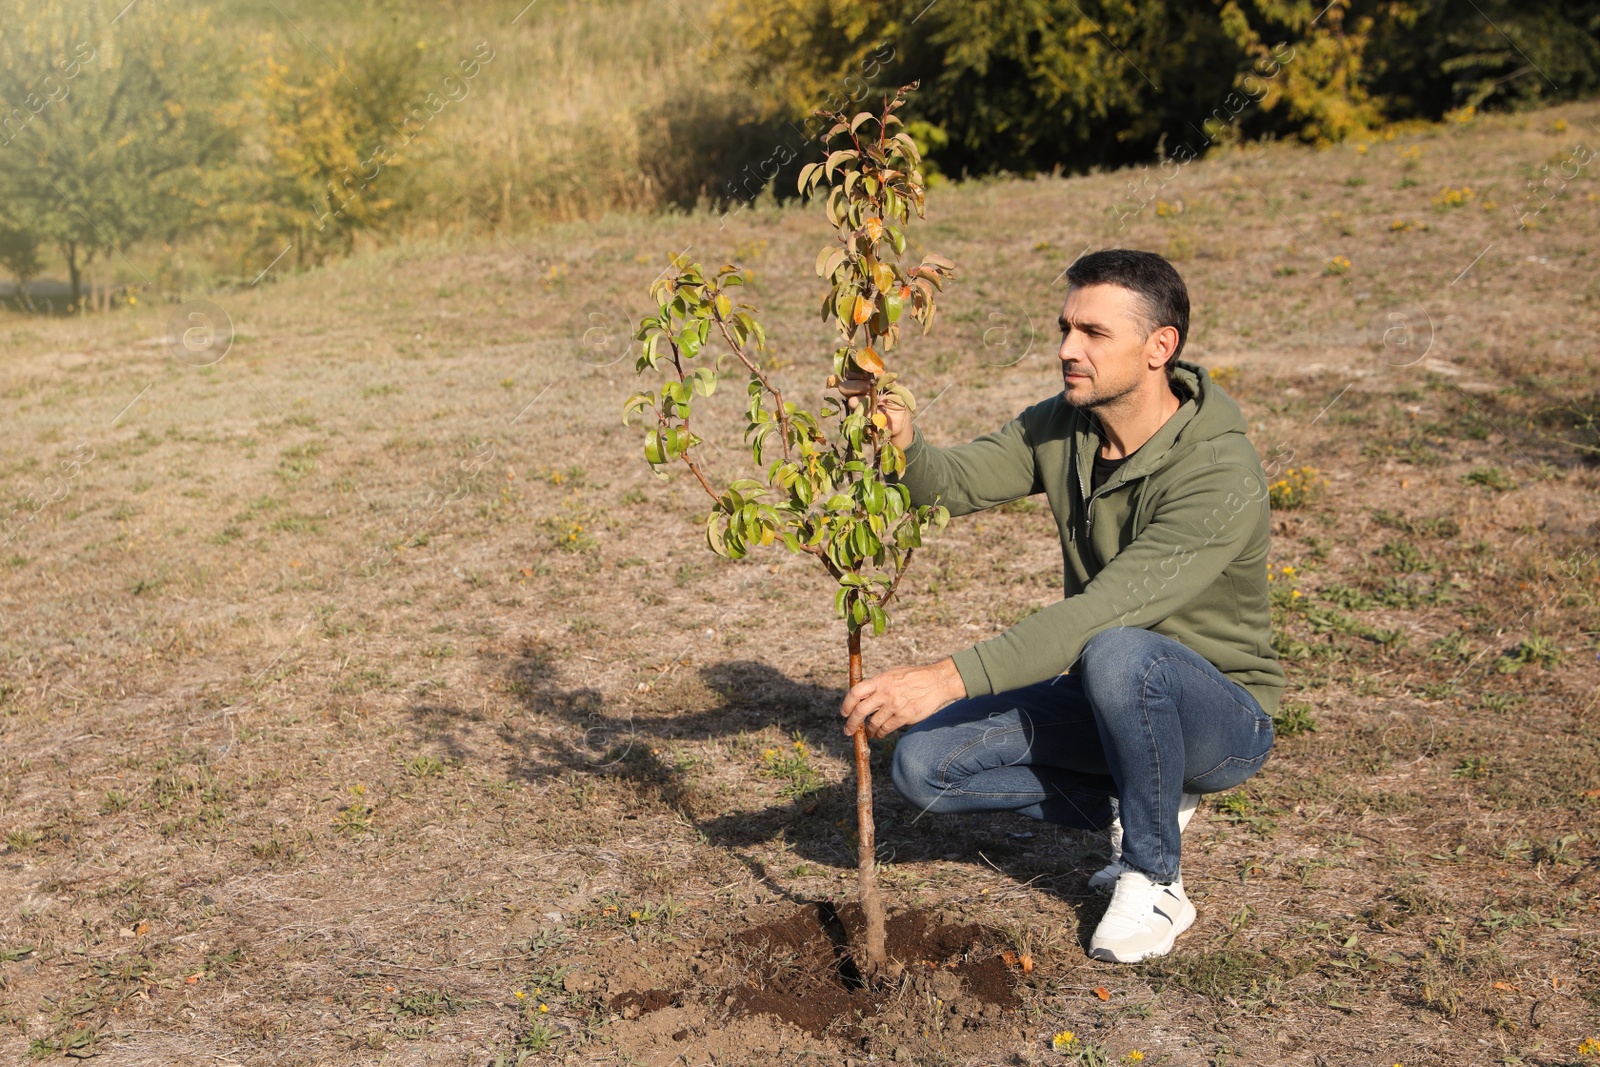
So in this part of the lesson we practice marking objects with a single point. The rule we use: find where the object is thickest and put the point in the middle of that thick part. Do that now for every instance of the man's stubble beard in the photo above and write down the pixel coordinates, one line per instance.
(1093, 403)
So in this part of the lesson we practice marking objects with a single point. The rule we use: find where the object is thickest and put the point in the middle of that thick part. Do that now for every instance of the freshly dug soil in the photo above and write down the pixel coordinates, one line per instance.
(803, 965)
(806, 969)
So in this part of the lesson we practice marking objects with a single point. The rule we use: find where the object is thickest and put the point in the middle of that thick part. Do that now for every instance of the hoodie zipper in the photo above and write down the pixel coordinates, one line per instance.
(1088, 505)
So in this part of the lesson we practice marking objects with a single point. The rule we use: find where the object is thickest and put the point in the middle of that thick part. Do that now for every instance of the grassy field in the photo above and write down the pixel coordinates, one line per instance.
(364, 699)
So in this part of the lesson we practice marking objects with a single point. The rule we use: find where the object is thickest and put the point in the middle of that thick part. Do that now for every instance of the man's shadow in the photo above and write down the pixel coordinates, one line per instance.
(813, 820)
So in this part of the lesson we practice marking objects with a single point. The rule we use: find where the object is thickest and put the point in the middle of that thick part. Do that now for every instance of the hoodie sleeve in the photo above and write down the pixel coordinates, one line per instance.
(998, 467)
(1195, 532)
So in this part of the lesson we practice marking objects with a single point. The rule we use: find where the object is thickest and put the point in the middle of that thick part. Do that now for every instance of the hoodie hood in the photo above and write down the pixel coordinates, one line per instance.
(1206, 414)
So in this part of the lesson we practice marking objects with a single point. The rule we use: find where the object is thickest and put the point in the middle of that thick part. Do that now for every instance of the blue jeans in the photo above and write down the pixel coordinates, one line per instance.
(1141, 718)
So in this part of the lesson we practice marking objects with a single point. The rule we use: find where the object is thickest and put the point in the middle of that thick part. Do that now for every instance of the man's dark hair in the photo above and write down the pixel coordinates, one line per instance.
(1152, 278)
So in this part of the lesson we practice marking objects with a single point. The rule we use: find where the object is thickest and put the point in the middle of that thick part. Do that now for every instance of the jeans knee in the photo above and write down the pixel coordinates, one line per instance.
(1115, 660)
(1120, 642)
(914, 768)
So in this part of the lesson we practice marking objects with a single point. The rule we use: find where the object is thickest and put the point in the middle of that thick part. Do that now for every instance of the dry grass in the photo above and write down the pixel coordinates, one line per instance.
(366, 678)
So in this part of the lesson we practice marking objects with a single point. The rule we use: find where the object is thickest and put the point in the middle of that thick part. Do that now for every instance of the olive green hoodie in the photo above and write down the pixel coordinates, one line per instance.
(1175, 541)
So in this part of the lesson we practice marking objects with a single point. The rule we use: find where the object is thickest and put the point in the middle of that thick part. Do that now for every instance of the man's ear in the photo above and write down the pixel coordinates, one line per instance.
(1159, 346)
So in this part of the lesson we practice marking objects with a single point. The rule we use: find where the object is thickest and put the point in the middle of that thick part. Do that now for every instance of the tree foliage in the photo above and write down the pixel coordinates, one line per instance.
(826, 488)
(1027, 85)
(109, 133)
(334, 132)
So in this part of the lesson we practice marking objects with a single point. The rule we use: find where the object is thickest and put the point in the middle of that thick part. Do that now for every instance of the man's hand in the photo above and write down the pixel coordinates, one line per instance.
(900, 431)
(900, 697)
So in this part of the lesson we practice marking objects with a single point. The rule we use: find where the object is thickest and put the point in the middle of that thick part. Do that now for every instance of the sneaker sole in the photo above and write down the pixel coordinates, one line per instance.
(1109, 955)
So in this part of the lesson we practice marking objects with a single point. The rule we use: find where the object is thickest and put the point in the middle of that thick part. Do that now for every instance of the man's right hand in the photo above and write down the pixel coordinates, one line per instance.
(900, 431)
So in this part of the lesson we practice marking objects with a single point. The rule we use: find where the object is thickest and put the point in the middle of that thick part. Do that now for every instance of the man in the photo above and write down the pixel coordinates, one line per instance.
(1162, 507)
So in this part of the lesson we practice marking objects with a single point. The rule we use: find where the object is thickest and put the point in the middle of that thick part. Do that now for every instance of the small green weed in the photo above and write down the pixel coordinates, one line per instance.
(1293, 718)
(793, 765)
(1490, 478)
(1537, 650)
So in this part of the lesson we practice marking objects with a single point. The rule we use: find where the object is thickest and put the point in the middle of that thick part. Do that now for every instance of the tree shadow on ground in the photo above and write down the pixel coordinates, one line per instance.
(633, 740)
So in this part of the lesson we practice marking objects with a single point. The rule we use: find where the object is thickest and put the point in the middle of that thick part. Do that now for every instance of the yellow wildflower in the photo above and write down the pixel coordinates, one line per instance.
(521, 995)
(1063, 1040)
(1590, 1046)
(544, 1008)
(1136, 1056)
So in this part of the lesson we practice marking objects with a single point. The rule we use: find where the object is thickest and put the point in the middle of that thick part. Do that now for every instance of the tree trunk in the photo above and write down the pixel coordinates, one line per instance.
(76, 273)
(866, 851)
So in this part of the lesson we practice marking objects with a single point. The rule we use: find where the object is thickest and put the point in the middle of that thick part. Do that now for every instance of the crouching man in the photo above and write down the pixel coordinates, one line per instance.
(1154, 680)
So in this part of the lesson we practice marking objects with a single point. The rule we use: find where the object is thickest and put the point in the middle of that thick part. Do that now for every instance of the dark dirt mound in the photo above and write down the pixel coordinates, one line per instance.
(635, 1003)
(804, 966)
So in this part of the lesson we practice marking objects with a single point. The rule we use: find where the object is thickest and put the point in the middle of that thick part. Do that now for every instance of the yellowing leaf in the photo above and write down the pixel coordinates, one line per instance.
(868, 361)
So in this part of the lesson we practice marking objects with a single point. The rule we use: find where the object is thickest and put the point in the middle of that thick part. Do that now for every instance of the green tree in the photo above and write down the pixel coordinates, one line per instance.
(337, 131)
(112, 128)
(827, 492)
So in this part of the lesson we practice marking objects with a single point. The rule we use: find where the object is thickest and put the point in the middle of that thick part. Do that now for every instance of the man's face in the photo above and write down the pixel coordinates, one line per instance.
(1105, 346)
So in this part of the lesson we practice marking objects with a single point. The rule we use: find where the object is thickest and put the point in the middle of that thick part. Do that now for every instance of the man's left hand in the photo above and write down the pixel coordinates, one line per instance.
(900, 697)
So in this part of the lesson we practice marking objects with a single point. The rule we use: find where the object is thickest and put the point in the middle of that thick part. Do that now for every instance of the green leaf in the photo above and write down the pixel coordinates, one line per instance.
(677, 442)
(872, 496)
(652, 447)
(635, 404)
(836, 158)
(893, 306)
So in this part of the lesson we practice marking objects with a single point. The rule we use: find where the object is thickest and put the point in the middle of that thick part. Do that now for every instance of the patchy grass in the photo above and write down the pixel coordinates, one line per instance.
(331, 731)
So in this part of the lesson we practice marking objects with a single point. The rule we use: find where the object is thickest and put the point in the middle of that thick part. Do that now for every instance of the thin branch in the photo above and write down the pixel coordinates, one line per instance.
(820, 553)
(783, 418)
(684, 455)
(905, 562)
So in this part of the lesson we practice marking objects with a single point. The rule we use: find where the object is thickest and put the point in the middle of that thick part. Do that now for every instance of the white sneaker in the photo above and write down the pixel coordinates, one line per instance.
(1105, 878)
(1144, 919)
